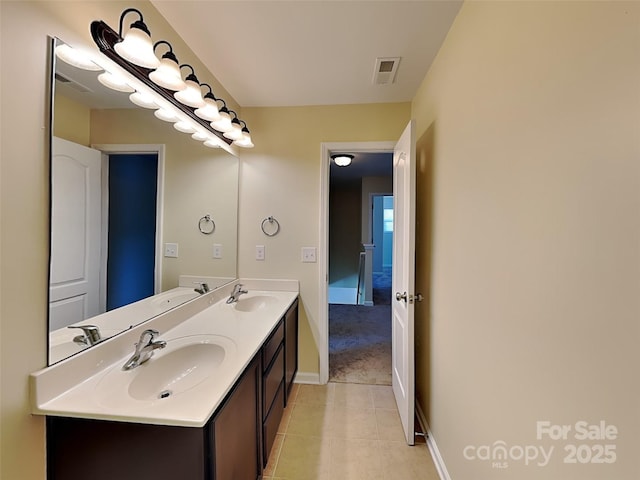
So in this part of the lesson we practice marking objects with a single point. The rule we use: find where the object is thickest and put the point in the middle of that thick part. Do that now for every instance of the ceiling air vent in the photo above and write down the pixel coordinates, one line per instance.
(385, 71)
(71, 83)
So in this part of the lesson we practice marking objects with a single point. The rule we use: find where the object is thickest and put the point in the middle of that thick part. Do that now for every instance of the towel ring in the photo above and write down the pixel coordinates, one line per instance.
(270, 221)
(204, 227)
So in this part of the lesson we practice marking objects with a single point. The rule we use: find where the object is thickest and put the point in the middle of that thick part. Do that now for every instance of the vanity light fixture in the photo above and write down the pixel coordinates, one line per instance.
(143, 100)
(74, 57)
(168, 75)
(342, 159)
(166, 115)
(191, 95)
(223, 124)
(200, 135)
(208, 121)
(136, 46)
(115, 82)
(235, 132)
(184, 127)
(245, 141)
(210, 109)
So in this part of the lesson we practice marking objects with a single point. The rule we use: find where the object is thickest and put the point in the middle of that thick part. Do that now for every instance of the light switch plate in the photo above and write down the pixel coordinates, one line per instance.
(259, 252)
(171, 250)
(309, 255)
(217, 250)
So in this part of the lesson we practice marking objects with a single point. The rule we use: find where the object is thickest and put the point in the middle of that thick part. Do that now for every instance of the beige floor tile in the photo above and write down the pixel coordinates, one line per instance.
(315, 394)
(348, 422)
(294, 392)
(311, 420)
(353, 395)
(304, 458)
(355, 459)
(389, 425)
(402, 461)
(383, 396)
(286, 417)
(270, 469)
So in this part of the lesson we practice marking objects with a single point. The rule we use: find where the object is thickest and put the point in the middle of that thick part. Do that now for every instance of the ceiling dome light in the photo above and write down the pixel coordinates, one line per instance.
(191, 95)
(342, 160)
(115, 82)
(136, 46)
(167, 75)
(74, 57)
(235, 132)
(210, 109)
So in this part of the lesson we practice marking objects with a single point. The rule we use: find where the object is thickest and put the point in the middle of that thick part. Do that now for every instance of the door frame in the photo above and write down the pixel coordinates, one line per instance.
(148, 148)
(326, 149)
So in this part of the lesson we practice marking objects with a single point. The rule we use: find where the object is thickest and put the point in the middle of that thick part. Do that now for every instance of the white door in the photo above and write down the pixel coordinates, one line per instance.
(403, 364)
(74, 281)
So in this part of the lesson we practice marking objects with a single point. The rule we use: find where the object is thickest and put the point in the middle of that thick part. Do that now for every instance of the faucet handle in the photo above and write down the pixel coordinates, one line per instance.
(91, 333)
(150, 331)
(204, 287)
(147, 333)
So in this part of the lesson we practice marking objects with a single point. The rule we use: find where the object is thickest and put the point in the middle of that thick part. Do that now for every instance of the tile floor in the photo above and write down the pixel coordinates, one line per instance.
(344, 431)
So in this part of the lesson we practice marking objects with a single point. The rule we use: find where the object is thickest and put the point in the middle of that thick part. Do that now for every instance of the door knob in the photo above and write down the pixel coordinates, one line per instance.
(418, 297)
(401, 296)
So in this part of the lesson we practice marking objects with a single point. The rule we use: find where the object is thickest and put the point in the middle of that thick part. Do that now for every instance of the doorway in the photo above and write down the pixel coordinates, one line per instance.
(131, 239)
(358, 327)
(138, 171)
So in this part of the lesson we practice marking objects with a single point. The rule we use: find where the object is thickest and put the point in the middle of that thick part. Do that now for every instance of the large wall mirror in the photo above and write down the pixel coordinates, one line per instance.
(136, 206)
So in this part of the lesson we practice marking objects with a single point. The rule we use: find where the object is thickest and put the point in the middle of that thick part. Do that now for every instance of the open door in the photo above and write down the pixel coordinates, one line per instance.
(403, 277)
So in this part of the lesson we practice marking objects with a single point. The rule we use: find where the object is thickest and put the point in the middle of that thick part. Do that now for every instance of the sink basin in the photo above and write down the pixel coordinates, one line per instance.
(253, 303)
(184, 364)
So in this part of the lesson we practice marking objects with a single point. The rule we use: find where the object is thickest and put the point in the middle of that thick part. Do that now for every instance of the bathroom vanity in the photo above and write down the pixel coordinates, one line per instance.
(165, 419)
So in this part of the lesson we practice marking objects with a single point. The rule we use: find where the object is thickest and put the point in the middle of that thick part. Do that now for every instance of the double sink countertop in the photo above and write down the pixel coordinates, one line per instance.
(209, 345)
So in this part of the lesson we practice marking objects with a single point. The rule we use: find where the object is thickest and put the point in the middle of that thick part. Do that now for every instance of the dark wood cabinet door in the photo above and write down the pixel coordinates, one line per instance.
(236, 430)
(82, 449)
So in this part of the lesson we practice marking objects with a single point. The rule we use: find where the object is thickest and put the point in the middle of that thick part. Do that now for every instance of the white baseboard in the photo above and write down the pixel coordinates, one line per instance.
(431, 444)
(307, 377)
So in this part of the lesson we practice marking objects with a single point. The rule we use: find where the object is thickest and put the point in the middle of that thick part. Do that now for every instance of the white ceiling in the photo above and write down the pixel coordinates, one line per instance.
(290, 53)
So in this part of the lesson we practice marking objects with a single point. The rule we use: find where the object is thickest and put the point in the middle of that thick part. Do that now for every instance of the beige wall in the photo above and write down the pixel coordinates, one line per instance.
(529, 127)
(281, 177)
(344, 233)
(24, 203)
(71, 121)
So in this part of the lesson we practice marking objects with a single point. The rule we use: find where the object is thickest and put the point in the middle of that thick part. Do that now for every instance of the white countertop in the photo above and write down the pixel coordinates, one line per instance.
(93, 385)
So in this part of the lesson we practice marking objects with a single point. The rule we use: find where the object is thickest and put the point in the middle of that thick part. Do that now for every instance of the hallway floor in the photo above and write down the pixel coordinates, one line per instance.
(342, 431)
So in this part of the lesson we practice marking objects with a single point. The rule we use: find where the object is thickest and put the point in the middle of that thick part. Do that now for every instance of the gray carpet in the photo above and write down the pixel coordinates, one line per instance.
(360, 338)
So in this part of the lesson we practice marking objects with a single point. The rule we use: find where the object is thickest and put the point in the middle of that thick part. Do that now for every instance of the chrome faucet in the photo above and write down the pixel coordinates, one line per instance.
(237, 291)
(204, 287)
(91, 335)
(144, 349)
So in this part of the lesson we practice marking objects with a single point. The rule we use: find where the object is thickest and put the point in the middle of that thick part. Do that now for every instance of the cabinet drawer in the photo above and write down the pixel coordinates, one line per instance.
(272, 380)
(271, 346)
(272, 422)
